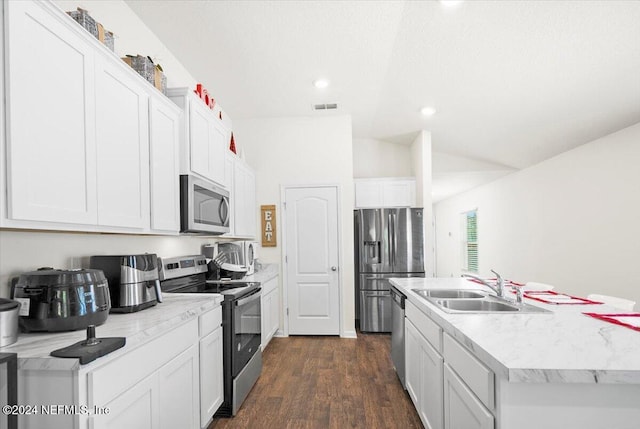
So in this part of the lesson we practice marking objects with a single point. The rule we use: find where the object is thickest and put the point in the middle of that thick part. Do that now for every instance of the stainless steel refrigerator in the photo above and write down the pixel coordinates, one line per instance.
(389, 242)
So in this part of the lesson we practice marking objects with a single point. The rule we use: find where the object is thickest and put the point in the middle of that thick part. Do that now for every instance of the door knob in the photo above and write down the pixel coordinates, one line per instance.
(334, 268)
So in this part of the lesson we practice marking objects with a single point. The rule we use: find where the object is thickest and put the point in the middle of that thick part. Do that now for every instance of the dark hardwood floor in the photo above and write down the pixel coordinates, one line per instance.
(326, 382)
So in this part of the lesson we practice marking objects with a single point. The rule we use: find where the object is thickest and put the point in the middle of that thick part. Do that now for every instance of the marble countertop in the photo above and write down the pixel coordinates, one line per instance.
(266, 273)
(138, 328)
(562, 346)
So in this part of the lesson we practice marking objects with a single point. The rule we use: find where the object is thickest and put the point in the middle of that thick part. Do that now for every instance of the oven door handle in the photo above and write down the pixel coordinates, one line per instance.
(254, 295)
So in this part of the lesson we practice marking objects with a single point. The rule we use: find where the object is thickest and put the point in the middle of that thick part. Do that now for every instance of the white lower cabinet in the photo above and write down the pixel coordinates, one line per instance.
(270, 310)
(179, 385)
(211, 376)
(424, 377)
(462, 409)
(137, 408)
(172, 381)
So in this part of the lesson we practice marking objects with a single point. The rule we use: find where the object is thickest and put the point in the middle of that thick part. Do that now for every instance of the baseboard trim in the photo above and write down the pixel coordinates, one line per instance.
(349, 334)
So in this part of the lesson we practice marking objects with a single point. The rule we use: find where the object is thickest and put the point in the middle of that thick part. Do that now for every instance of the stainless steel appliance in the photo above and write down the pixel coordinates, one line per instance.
(241, 323)
(61, 300)
(9, 389)
(388, 243)
(397, 333)
(133, 280)
(8, 321)
(204, 207)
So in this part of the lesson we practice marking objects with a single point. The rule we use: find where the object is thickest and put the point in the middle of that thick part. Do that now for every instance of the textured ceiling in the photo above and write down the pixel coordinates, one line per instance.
(514, 82)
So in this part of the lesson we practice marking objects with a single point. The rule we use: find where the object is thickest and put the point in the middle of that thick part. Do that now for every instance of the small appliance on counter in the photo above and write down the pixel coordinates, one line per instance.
(226, 261)
(61, 300)
(250, 252)
(133, 280)
(8, 321)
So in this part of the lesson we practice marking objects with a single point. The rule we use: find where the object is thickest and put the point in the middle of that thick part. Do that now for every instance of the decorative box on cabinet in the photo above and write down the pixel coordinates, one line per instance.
(385, 192)
(204, 139)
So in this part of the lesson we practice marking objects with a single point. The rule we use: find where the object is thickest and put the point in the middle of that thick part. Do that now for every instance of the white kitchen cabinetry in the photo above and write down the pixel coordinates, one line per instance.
(211, 372)
(449, 387)
(424, 377)
(164, 140)
(270, 310)
(173, 380)
(229, 171)
(50, 110)
(138, 407)
(462, 409)
(122, 147)
(204, 138)
(385, 192)
(244, 200)
(179, 388)
(78, 132)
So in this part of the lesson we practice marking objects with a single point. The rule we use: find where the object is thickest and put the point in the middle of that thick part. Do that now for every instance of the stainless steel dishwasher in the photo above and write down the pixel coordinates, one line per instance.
(397, 333)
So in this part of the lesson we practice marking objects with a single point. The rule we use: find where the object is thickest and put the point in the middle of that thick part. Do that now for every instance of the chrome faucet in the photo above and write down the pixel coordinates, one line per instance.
(518, 291)
(498, 288)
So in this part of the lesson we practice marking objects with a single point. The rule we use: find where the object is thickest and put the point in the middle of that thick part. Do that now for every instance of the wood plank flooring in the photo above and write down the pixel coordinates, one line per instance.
(326, 382)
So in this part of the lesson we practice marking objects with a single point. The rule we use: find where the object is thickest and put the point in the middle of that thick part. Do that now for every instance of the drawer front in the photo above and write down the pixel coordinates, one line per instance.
(269, 286)
(208, 322)
(112, 379)
(462, 410)
(427, 327)
(477, 377)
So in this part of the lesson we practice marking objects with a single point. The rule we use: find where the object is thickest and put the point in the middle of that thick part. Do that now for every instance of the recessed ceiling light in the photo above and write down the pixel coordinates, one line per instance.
(450, 3)
(428, 111)
(321, 83)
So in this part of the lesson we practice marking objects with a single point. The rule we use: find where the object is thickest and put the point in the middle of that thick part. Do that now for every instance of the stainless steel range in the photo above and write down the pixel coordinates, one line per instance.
(241, 320)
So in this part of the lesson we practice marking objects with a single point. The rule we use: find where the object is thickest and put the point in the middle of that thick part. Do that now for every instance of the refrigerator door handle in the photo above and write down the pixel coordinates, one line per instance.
(390, 239)
(395, 240)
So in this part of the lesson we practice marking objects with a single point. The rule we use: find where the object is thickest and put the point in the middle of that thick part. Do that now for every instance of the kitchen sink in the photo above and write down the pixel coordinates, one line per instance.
(448, 293)
(475, 305)
(460, 301)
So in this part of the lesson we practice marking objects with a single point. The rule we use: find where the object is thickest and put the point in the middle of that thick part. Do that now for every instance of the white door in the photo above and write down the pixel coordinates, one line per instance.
(311, 249)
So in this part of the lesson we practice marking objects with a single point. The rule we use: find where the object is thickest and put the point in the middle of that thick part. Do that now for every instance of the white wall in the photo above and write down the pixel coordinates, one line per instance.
(304, 150)
(572, 221)
(22, 251)
(421, 153)
(377, 158)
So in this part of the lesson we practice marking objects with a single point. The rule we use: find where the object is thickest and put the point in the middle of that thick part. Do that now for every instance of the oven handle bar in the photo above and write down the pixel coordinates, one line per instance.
(254, 295)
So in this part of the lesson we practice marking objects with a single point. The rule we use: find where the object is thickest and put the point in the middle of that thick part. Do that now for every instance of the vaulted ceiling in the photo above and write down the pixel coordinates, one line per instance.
(513, 82)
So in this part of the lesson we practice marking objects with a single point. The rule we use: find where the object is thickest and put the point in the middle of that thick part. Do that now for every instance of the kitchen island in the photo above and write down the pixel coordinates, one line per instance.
(558, 369)
(154, 377)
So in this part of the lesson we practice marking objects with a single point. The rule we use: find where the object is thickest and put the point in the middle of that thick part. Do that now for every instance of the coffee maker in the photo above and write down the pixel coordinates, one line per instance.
(133, 280)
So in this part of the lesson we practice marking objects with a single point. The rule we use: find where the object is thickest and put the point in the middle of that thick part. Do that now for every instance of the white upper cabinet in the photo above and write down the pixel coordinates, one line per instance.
(164, 139)
(81, 152)
(244, 200)
(385, 192)
(204, 138)
(122, 142)
(51, 147)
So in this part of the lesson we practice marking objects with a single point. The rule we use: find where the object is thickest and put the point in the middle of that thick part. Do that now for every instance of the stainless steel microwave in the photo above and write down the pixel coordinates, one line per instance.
(204, 207)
